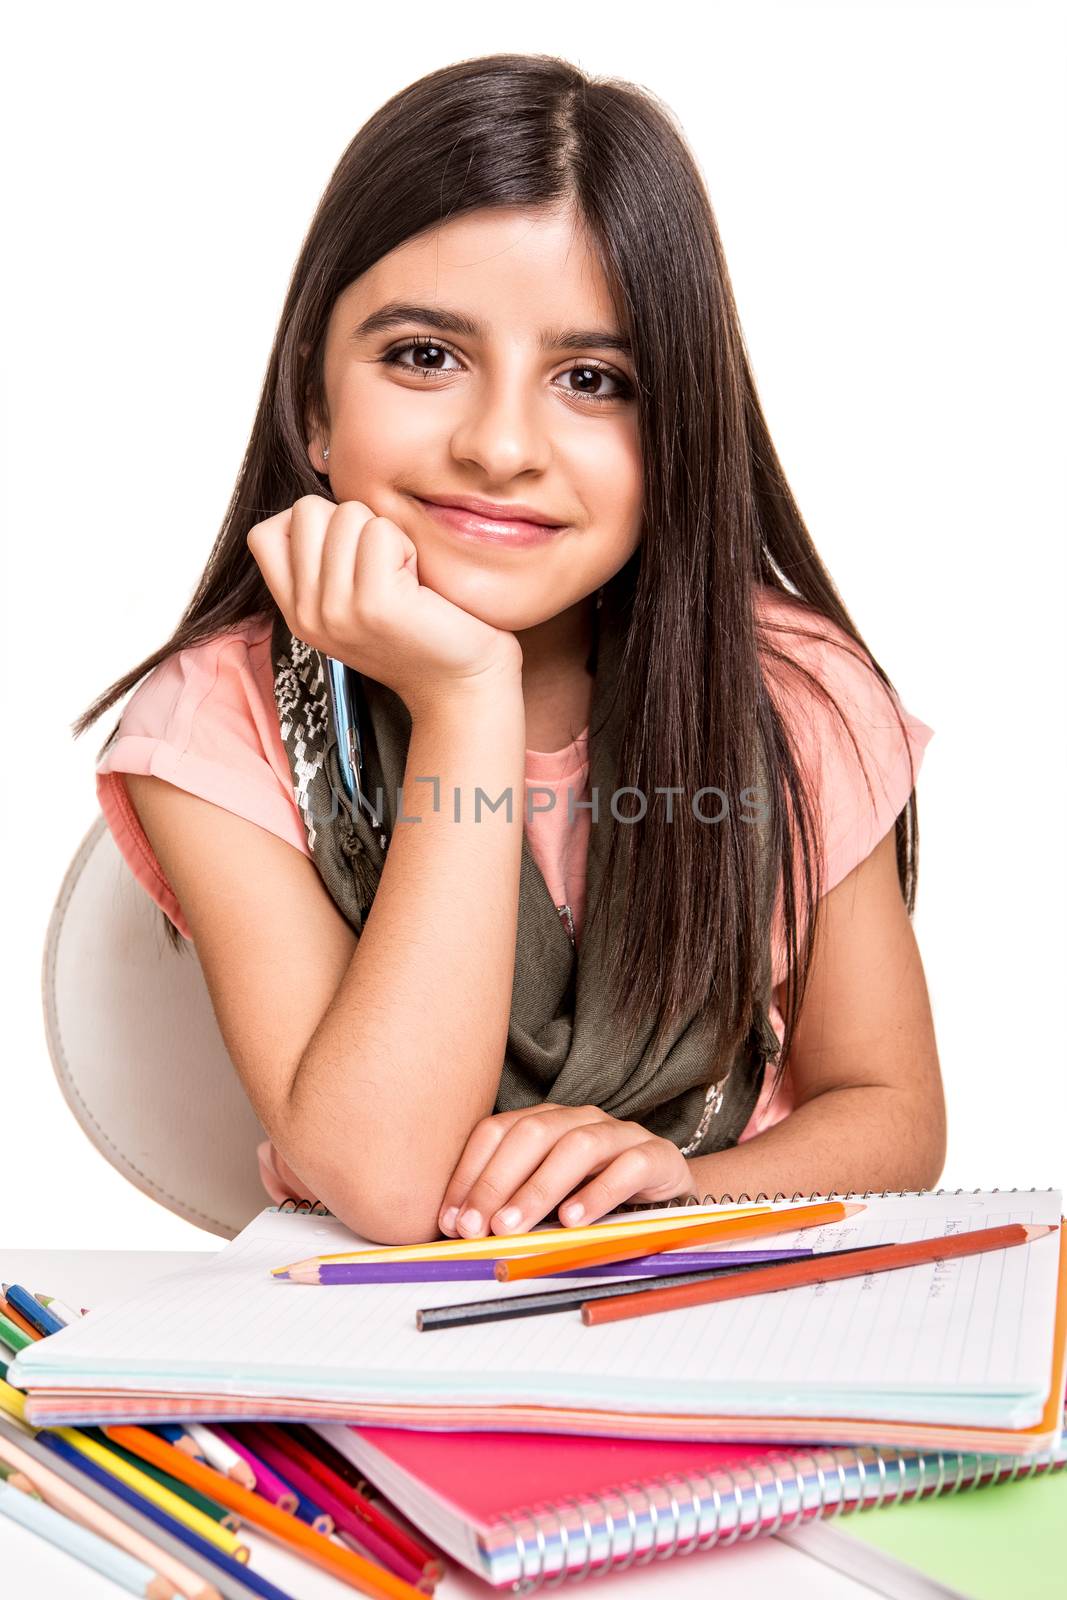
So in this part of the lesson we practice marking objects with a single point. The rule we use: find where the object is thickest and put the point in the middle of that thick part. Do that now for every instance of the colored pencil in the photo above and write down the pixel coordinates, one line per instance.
(287, 1457)
(58, 1308)
(362, 1574)
(188, 1444)
(308, 1510)
(218, 1454)
(193, 1497)
(535, 1242)
(266, 1484)
(349, 1484)
(17, 1480)
(105, 1457)
(241, 1582)
(544, 1302)
(13, 1336)
(593, 1253)
(796, 1274)
(177, 1435)
(27, 1306)
(136, 1577)
(12, 1401)
(9, 1311)
(63, 1497)
(476, 1271)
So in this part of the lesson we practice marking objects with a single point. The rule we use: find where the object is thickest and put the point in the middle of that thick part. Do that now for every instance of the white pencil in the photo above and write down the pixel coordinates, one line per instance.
(59, 1308)
(220, 1455)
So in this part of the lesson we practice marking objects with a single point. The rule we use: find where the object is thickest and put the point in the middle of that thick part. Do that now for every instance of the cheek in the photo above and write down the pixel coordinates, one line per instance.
(377, 436)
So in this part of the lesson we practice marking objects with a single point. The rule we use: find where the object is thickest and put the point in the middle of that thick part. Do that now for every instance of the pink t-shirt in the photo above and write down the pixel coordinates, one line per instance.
(205, 720)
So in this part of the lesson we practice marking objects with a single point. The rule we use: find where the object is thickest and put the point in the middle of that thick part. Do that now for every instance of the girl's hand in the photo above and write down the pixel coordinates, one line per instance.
(347, 583)
(518, 1165)
(278, 1178)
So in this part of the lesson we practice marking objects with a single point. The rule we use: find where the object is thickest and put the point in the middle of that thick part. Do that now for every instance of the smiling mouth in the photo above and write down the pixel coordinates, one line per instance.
(491, 529)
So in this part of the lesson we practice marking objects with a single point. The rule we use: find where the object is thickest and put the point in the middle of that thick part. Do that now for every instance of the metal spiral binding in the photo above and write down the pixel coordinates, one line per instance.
(876, 1488)
(849, 1194)
(306, 1208)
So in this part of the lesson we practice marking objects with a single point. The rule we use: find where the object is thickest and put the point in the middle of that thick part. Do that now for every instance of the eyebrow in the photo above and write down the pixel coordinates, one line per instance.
(396, 312)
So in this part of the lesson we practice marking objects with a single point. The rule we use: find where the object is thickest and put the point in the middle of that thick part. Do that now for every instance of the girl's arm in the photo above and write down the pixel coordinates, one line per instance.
(870, 1109)
(367, 1061)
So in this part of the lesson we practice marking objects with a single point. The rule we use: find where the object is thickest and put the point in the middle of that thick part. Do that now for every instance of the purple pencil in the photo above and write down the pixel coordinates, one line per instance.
(268, 1484)
(472, 1271)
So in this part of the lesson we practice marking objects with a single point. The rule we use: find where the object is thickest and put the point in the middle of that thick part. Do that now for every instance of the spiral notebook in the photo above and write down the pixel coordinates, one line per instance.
(959, 1354)
(527, 1507)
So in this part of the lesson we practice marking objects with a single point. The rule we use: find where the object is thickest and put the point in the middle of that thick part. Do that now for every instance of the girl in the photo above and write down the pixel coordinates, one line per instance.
(618, 907)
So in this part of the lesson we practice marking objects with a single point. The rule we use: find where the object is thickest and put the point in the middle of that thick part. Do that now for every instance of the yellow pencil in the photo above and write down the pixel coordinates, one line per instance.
(509, 1244)
(159, 1495)
(13, 1402)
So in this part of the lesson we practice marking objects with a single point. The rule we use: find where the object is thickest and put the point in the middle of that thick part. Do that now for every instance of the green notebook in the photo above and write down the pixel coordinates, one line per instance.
(1004, 1542)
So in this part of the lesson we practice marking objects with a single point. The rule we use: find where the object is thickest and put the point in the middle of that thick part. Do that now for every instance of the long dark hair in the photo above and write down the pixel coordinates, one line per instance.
(719, 516)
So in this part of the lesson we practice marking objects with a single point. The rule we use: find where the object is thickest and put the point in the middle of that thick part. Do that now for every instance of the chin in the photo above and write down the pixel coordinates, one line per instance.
(488, 595)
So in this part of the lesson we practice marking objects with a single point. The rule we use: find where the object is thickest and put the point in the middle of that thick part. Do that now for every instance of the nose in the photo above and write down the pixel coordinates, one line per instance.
(504, 427)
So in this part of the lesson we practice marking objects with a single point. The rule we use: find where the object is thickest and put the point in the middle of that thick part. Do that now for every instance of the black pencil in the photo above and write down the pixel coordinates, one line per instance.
(544, 1302)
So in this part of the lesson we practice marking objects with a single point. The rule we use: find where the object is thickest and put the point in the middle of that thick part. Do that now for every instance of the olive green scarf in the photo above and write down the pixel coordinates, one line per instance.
(564, 1042)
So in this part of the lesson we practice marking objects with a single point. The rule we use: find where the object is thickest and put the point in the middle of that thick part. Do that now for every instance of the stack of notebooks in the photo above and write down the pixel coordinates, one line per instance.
(590, 1447)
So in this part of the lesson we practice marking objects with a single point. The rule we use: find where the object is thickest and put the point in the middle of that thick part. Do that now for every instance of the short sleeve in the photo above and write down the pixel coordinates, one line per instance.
(204, 720)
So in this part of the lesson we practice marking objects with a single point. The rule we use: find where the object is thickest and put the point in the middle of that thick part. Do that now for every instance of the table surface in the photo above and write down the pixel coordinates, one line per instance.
(764, 1570)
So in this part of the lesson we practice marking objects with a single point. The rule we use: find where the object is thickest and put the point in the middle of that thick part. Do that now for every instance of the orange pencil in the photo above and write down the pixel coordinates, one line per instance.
(345, 1564)
(670, 1237)
(797, 1274)
(18, 1319)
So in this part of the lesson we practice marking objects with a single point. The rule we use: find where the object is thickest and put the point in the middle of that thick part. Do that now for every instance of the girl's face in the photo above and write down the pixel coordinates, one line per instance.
(530, 401)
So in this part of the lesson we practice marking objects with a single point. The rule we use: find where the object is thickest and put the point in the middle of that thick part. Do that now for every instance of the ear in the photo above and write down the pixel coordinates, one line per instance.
(316, 431)
(317, 434)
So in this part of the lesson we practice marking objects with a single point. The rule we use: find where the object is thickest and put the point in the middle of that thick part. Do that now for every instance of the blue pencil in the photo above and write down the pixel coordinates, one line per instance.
(476, 1269)
(37, 1315)
(95, 1551)
(239, 1573)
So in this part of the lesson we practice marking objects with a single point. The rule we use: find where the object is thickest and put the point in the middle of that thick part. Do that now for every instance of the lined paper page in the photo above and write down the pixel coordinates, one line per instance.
(964, 1338)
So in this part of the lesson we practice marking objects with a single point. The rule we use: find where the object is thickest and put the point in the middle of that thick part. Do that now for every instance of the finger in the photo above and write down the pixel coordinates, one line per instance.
(652, 1169)
(337, 575)
(482, 1141)
(269, 544)
(307, 531)
(384, 550)
(582, 1150)
(515, 1167)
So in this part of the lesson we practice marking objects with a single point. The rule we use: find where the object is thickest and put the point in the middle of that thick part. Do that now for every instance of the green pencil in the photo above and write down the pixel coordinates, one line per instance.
(210, 1508)
(12, 1335)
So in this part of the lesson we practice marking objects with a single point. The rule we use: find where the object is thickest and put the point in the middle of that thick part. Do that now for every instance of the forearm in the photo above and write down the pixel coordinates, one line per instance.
(862, 1137)
(407, 1057)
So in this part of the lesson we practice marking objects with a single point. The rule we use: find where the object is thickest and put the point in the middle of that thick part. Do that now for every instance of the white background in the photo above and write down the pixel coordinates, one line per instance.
(889, 184)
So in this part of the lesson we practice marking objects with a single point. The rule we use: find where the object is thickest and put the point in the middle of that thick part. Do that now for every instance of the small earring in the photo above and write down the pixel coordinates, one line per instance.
(600, 597)
(325, 454)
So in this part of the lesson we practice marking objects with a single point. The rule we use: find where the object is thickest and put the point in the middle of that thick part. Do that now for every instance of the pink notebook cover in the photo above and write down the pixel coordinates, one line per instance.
(505, 1472)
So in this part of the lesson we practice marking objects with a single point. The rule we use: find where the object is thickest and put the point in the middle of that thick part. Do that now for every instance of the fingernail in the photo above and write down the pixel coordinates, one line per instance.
(509, 1216)
(472, 1221)
(572, 1213)
(448, 1219)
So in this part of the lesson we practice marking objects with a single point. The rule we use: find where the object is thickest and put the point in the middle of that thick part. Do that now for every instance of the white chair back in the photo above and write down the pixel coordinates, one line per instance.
(137, 1050)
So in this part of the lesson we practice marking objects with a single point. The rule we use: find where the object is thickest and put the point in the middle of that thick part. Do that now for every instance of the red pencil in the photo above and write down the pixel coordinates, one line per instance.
(426, 1564)
(796, 1274)
(284, 1455)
